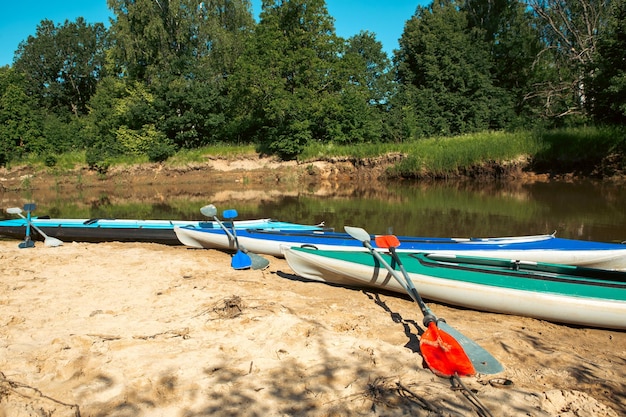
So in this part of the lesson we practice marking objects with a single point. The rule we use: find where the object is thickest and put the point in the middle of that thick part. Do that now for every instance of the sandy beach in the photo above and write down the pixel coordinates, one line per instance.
(115, 329)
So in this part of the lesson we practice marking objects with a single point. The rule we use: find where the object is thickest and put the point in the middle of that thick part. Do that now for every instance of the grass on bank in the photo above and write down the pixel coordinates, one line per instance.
(586, 146)
(433, 156)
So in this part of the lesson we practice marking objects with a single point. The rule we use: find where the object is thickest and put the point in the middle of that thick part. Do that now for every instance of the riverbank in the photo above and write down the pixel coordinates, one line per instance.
(253, 171)
(144, 329)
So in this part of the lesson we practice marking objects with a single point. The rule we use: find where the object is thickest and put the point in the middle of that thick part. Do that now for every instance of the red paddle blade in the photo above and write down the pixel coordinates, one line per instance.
(443, 354)
(387, 241)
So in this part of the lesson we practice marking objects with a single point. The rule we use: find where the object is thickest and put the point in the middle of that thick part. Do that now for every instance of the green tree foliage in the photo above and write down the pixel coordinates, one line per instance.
(148, 38)
(157, 37)
(285, 77)
(514, 44)
(20, 121)
(607, 95)
(62, 64)
(122, 121)
(104, 120)
(173, 74)
(446, 68)
(299, 82)
(368, 66)
(182, 51)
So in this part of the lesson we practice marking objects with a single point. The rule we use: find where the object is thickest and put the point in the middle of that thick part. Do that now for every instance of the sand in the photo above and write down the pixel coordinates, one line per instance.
(126, 329)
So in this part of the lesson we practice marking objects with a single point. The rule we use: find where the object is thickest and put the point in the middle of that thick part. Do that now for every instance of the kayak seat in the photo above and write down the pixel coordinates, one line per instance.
(95, 220)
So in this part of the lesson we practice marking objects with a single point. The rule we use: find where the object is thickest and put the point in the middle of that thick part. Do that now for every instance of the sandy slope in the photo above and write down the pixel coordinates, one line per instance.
(147, 330)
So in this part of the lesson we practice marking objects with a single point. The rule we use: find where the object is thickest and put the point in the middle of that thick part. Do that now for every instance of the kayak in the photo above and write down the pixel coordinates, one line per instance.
(127, 230)
(558, 293)
(538, 248)
(270, 242)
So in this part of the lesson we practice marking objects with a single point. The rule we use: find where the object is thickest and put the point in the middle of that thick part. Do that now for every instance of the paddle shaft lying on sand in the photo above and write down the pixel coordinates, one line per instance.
(48, 240)
(445, 354)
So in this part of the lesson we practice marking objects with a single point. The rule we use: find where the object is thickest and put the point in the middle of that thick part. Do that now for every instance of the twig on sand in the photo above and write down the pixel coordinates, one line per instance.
(8, 386)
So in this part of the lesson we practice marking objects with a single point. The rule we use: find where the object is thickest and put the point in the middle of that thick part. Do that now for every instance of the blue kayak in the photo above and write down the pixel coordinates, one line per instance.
(534, 248)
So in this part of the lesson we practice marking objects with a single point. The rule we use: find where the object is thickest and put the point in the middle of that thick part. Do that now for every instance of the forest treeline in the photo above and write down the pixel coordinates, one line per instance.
(169, 75)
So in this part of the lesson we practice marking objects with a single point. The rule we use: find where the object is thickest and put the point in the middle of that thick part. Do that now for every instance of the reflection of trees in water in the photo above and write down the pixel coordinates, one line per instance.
(582, 210)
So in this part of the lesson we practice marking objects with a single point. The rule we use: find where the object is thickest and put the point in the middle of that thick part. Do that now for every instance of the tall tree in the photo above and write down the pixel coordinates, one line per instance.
(225, 25)
(20, 119)
(183, 51)
(287, 76)
(513, 39)
(369, 66)
(444, 68)
(149, 37)
(63, 64)
(607, 95)
(156, 37)
(569, 33)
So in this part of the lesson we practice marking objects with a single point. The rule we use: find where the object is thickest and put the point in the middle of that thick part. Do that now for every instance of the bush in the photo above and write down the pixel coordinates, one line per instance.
(160, 151)
(97, 159)
(50, 160)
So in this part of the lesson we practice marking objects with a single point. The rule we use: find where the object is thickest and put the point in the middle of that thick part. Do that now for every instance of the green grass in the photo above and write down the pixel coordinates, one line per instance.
(585, 146)
(438, 155)
(445, 155)
(561, 148)
(586, 142)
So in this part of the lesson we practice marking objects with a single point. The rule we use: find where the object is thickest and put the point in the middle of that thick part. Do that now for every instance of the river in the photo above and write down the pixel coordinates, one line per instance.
(587, 210)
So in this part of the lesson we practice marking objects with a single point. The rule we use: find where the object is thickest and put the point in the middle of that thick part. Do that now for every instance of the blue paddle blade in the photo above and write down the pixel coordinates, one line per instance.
(26, 244)
(230, 214)
(241, 261)
(483, 361)
(258, 262)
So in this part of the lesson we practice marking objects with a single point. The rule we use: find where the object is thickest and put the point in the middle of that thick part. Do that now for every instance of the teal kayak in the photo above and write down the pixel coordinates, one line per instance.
(130, 230)
(554, 292)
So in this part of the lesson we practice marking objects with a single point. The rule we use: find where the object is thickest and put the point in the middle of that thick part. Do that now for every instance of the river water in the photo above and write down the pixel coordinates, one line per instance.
(586, 210)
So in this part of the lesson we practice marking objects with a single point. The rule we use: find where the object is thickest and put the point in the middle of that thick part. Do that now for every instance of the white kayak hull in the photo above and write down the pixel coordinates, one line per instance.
(536, 248)
(586, 311)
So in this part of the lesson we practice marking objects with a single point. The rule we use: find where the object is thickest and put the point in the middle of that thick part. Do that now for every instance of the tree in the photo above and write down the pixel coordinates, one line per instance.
(20, 121)
(368, 66)
(182, 51)
(189, 112)
(355, 113)
(513, 40)
(156, 37)
(286, 76)
(63, 64)
(149, 36)
(569, 35)
(607, 81)
(445, 67)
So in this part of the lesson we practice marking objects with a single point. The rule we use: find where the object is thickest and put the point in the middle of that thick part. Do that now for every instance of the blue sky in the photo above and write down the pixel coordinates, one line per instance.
(386, 18)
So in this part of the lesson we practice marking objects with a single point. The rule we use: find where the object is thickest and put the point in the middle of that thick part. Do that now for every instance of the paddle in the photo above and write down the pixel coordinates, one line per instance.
(482, 360)
(241, 260)
(257, 261)
(28, 243)
(442, 352)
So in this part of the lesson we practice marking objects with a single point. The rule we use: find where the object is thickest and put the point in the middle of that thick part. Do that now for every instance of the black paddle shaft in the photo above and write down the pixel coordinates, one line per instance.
(429, 317)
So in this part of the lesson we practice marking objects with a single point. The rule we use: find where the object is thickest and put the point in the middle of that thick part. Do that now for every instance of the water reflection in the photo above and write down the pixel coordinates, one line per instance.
(587, 210)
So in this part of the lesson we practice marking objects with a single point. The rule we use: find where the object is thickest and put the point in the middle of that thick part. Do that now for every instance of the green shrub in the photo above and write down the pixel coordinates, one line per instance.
(160, 151)
(97, 159)
(50, 160)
